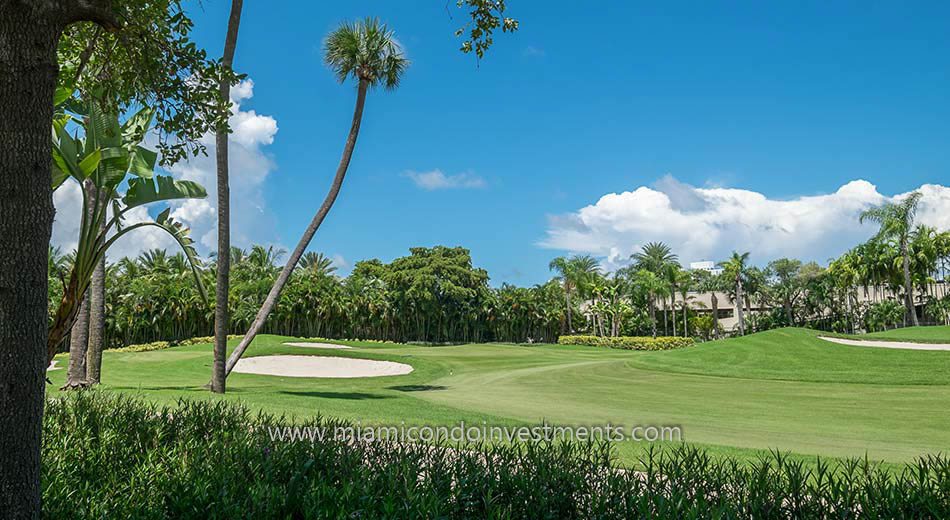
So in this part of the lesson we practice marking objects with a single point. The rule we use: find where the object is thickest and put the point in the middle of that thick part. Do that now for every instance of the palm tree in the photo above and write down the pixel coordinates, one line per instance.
(368, 52)
(317, 263)
(897, 222)
(573, 273)
(221, 312)
(734, 269)
(655, 257)
(658, 258)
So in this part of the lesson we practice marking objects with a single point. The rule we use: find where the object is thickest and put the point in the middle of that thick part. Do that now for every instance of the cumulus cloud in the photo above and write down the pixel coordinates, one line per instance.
(249, 167)
(436, 180)
(709, 223)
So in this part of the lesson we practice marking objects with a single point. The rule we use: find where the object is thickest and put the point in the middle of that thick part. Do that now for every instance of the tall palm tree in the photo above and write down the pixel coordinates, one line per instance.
(655, 257)
(897, 222)
(573, 274)
(317, 263)
(222, 315)
(734, 269)
(368, 52)
(659, 259)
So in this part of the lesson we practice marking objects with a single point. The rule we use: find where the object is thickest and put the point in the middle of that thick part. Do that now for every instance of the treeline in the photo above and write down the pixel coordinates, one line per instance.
(436, 295)
(433, 295)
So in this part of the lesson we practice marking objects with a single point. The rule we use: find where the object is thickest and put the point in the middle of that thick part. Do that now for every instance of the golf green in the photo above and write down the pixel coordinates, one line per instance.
(784, 389)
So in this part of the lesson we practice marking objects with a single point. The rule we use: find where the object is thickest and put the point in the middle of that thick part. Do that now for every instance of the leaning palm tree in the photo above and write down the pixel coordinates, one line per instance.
(897, 223)
(735, 269)
(368, 52)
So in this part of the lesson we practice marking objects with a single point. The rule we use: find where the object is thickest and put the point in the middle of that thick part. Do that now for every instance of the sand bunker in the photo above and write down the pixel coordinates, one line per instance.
(52, 366)
(888, 344)
(319, 366)
(308, 344)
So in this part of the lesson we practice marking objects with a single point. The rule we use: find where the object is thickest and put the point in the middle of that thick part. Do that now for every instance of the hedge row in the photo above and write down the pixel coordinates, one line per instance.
(162, 345)
(108, 456)
(628, 342)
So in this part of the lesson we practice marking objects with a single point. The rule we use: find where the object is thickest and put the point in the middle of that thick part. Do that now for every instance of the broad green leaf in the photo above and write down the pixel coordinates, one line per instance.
(89, 163)
(144, 191)
(143, 162)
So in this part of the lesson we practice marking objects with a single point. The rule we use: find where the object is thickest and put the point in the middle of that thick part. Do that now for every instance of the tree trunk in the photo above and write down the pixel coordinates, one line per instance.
(739, 306)
(908, 285)
(715, 314)
(653, 315)
(284, 277)
(28, 39)
(673, 307)
(97, 320)
(570, 322)
(222, 315)
(78, 343)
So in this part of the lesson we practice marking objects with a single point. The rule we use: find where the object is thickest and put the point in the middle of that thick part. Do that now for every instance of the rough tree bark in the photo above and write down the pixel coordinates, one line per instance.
(715, 314)
(97, 321)
(29, 34)
(78, 343)
(222, 315)
(284, 276)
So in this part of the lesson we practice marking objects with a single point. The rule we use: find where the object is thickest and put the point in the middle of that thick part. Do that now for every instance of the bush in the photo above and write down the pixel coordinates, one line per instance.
(628, 342)
(161, 345)
(119, 457)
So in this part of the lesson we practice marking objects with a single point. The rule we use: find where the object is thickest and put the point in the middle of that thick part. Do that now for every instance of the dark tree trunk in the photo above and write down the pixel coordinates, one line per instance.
(222, 315)
(284, 277)
(28, 39)
(29, 34)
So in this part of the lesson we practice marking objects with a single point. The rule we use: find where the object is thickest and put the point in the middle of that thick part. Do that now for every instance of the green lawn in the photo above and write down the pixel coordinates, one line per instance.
(936, 334)
(782, 389)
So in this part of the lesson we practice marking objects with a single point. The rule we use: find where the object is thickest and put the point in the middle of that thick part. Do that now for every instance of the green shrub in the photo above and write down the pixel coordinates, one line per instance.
(628, 342)
(118, 457)
(161, 345)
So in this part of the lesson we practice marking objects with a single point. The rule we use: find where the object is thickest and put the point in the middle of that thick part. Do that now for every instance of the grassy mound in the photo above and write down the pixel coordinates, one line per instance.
(108, 457)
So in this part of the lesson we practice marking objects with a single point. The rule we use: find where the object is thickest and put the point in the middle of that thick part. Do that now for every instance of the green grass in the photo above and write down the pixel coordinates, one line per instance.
(932, 334)
(784, 389)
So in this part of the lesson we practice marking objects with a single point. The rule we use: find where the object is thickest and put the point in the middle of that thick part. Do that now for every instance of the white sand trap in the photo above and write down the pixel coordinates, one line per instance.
(888, 344)
(317, 345)
(319, 366)
(52, 366)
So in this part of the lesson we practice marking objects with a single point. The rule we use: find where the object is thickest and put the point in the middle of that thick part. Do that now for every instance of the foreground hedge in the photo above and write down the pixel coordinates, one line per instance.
(115, 457)
(628, 342)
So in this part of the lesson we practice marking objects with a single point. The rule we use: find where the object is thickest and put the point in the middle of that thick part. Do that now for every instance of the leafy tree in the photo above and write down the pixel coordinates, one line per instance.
(896, 222)
(135, 48)
(368, 52)
(101, 161)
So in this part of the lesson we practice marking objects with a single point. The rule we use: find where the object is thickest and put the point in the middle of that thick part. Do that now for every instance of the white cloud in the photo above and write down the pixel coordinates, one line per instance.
(249, 167)
(436, 180)
(339, 262)
(709, 223)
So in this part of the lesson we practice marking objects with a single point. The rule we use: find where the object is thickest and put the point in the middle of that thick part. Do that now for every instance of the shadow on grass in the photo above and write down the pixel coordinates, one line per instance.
(356, 396)
(417, 388)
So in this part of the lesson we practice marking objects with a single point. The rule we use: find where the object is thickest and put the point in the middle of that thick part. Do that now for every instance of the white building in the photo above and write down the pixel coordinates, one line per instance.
(706, 265)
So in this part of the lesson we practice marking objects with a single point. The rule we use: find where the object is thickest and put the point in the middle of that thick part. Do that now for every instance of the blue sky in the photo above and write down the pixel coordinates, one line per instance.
(775, 101)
